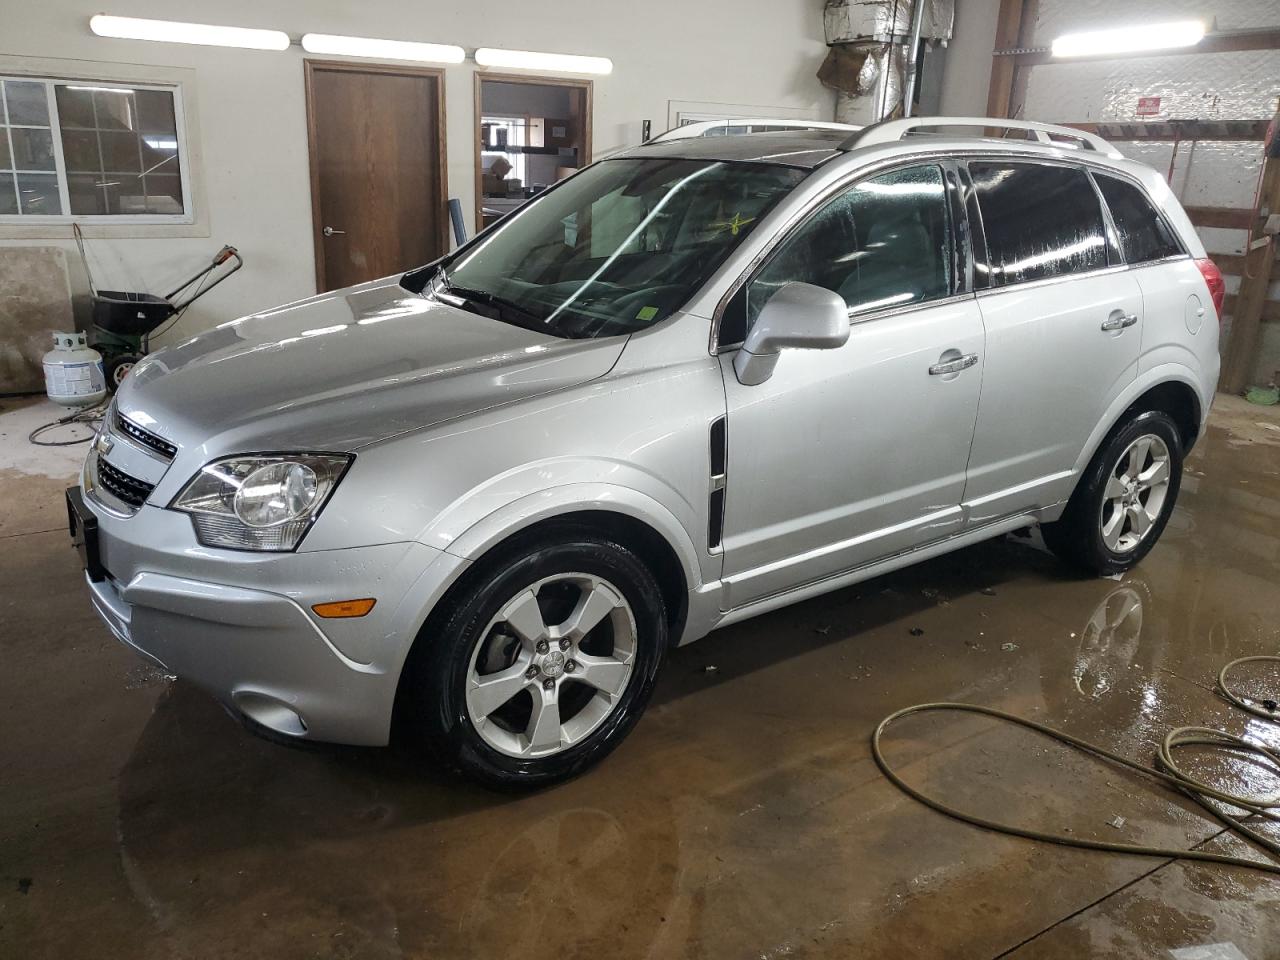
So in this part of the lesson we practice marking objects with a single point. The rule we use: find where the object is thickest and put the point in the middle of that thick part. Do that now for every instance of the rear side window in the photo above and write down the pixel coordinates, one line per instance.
(1040, 220)
(1143, 233)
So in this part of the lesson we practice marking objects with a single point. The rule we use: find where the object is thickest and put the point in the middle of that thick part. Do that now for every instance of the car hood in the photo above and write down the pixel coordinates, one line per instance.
(346, 369)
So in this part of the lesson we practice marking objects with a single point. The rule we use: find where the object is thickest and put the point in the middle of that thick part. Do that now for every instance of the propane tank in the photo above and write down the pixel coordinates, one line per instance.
(73, 374)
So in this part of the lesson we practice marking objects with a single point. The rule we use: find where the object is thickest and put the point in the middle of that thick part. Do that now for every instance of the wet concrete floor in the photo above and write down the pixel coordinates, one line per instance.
(743, 817)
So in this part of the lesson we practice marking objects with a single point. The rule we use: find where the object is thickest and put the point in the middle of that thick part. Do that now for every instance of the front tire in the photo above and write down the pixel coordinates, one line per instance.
(1123, 501)
(541, 664)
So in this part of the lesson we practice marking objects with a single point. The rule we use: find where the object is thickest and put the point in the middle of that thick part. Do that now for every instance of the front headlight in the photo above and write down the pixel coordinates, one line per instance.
(260, 502)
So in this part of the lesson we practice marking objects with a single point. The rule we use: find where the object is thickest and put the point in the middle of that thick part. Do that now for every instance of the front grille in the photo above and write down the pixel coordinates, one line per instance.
(146, 438)
(123, 487)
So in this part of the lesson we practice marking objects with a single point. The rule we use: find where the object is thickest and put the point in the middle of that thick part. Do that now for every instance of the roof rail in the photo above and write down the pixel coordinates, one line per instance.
(891, 131)
(700, 128)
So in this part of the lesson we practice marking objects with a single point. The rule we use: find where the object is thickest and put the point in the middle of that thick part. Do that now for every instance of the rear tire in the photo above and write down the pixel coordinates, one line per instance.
(1123, 501)
(540, 665)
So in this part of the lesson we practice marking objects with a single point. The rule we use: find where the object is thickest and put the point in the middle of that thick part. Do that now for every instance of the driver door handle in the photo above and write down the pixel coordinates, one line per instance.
(1119, 320)
(943, 367)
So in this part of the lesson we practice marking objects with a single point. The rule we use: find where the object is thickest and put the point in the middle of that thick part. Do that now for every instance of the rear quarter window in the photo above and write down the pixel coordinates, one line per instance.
(1144, 235)
(1040, 220)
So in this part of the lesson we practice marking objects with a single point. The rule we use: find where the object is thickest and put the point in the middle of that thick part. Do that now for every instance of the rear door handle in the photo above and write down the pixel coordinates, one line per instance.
(1119, 320)
(943, 367)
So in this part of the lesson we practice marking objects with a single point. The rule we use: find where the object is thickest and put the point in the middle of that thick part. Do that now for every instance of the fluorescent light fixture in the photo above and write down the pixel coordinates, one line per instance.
(172, 31)
(382, 49)
(1155, 36)
(529, 60)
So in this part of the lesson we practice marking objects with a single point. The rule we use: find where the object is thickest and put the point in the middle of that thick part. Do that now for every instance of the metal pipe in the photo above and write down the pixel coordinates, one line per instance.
(913, 57)
(459, 227)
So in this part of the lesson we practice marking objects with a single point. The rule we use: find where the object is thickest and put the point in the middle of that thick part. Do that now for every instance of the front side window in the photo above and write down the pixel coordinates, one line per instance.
(72, 149)
(1040, 220)
(1143, 233)
(885, 242)
(617, 248)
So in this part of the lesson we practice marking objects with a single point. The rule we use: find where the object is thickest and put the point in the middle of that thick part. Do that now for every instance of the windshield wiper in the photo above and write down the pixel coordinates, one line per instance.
(526, 318)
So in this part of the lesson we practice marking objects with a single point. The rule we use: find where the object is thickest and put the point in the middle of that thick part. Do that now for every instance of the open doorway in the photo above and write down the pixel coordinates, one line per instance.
(530, 134)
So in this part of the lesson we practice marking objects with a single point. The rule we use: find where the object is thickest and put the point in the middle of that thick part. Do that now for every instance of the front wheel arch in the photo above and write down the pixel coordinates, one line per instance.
(646, 542)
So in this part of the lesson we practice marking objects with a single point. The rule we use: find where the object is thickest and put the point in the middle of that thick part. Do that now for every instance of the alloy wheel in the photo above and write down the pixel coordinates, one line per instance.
(1135, 493)
(551, 666)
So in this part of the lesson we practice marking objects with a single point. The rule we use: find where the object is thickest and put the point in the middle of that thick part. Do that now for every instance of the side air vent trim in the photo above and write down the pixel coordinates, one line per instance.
(719, 465)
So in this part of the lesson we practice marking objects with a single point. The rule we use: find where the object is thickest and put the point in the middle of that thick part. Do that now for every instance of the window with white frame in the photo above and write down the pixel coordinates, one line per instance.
(84, 150)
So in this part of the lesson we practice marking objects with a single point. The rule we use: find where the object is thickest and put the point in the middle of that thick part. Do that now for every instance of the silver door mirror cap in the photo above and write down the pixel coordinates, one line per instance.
(800, 316)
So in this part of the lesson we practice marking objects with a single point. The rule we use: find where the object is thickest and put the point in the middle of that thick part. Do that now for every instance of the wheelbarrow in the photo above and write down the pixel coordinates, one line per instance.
(124, 321)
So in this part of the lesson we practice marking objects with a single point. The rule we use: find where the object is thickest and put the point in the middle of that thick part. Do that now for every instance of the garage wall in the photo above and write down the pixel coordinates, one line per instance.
(1226, 86)
(1231, 86)
(247, 107)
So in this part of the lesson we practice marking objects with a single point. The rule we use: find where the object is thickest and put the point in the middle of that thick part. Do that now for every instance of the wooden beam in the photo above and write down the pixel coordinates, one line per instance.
(1241, 356)
(1009, 25)
(1231, 264)
(1234, 41)
(1228, 218)
(1174, 130)
(1270, 309)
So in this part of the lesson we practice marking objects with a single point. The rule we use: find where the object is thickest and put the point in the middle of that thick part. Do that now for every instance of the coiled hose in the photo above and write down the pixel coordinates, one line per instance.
(88, 417)
(1166, 771)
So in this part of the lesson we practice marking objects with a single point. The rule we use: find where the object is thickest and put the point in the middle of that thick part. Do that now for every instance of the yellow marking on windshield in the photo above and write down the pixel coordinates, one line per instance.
(734, 225)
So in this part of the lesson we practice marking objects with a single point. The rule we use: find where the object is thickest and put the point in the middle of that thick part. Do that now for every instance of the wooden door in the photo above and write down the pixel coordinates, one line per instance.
(377, 170)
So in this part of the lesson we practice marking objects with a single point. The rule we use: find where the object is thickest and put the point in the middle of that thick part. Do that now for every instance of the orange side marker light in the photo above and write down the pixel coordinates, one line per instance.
(344, 608)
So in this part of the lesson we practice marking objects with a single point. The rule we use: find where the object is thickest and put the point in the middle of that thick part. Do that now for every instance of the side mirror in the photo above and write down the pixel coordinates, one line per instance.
(799, 316)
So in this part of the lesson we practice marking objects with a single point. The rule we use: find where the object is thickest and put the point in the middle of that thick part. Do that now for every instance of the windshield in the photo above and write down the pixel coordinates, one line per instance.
(616, 249)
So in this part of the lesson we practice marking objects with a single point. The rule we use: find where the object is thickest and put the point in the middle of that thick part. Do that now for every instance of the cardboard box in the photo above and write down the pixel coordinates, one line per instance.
(560, 132)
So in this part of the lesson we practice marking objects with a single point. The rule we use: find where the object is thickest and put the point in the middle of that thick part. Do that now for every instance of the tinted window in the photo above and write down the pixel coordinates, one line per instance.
(1143, 234)
(1040, 221)
(885, 242)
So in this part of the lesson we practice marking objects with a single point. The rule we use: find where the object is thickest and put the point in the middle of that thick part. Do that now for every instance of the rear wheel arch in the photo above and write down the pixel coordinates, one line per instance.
(1171, 395)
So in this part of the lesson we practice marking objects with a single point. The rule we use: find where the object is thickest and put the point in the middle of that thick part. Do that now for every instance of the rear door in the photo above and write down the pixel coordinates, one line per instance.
(849, 455)
(1063, 318)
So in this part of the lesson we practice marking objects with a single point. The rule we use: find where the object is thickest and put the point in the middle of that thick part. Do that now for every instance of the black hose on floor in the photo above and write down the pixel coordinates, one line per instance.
(88, 416)
(1166, 771)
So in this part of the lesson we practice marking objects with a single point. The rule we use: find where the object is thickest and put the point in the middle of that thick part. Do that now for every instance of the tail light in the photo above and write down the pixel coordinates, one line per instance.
(1213, 279)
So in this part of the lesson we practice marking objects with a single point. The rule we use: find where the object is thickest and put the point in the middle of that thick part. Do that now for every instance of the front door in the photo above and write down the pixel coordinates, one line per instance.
(377, 170)
(849, 455)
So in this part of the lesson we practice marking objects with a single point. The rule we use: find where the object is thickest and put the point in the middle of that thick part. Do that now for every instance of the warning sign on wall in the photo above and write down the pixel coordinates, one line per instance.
(1148, 106)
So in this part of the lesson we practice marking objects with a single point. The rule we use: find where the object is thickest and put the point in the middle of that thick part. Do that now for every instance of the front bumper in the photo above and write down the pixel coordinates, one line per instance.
(240, 625)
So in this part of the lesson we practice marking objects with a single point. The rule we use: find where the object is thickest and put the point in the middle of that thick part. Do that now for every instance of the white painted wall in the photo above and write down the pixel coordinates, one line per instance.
(251, 121)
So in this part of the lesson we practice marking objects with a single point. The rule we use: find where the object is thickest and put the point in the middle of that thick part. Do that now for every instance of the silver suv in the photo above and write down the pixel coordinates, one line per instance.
(696, 381)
